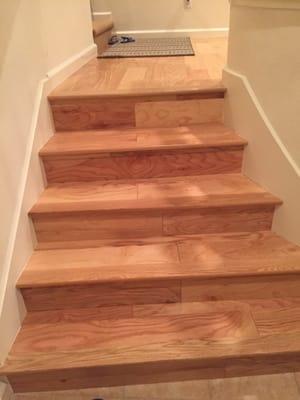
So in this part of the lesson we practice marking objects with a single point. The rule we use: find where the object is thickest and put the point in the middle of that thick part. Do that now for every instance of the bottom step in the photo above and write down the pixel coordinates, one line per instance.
(58, 350)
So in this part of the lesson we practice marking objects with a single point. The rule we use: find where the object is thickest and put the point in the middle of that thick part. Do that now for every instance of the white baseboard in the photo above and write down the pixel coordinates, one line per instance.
(210, 32)
(270, 4)
(20, 242)
(5, 392)
(102, 14)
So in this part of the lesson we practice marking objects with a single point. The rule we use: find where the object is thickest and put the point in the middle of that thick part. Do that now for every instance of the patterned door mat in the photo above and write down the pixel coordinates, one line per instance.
(151, 47)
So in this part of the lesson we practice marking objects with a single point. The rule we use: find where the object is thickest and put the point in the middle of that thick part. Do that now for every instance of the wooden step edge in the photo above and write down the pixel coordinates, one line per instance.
(196, 351)
(89, 244)
(135, 207)
(217, 90)
(145, 273)
(239, 144)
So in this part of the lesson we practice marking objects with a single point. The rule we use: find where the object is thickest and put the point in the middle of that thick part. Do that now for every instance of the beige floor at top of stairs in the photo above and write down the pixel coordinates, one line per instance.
(99, 76)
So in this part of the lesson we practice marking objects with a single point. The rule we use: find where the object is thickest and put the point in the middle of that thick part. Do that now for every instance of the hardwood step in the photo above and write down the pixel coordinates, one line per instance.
(153, 207)
(172, 269)
(142, 153)
(80, 348)
(160, 108)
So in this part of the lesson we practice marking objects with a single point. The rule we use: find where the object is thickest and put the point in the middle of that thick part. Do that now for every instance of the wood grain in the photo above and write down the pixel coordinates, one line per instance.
(157, 207)
(91, 226)
(163, 271)
(179, 346)
(100, 111)
(241, 289)
(91, 296)
(142, 153)
(237, 219)
(150, 74)
(114, 332)
(206, 136)
(204, 256)
(206, 191)
(178, 113)
(142, 165)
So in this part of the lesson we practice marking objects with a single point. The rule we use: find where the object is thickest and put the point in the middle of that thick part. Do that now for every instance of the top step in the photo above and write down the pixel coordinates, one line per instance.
(142, 92)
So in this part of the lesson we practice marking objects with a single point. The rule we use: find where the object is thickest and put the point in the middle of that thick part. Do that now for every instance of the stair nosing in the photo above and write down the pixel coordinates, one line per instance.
(138, 206)
(65, 96)
(163, 278)
(236, 142)
(46, 154)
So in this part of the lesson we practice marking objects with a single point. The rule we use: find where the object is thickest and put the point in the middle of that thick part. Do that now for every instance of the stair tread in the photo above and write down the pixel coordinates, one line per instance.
(202, 332)
(212, 135)
(177, 257)
(205, 191)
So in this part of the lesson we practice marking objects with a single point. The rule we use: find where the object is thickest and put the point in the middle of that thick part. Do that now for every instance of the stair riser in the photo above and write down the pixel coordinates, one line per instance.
(163, 371)
(161, 292)
(142, 165)
(149, 223)
(141, 111)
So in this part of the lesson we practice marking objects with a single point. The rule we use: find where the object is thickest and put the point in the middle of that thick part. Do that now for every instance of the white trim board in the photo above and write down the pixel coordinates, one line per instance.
(176, 32)
(272, 4)
(102, 14)
(265, 118)
(5, 392)
(38, 134)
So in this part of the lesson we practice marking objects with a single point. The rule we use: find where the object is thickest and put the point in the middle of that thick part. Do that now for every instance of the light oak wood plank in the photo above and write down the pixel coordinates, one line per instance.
(91, 296)
(178, 113)
(212, 135)
(150, 74)
(206, 256)
(142, 165)
(206, 191)
(241, 289)
(111, 333)
(74, 315)
(91, 226)
(234, 219)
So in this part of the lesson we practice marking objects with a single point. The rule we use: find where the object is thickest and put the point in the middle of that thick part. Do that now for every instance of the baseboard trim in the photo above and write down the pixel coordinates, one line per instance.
(265, 118)
(5, 392)
(176, 32)
(101, 14)
(68, 67)
(47, 84)
(269, 4)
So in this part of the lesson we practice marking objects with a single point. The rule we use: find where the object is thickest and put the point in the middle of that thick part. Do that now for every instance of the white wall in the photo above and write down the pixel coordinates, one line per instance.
(132, 15)
(263, 101)
(36, 36)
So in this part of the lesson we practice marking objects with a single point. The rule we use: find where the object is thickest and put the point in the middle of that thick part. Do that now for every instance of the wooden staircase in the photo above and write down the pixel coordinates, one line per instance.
(155, 258)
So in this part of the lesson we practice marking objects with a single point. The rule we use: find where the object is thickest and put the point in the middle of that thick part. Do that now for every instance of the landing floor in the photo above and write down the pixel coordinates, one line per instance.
(150, 74)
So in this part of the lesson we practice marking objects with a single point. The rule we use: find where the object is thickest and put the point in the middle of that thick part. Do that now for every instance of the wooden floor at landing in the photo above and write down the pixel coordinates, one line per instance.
(129, 75)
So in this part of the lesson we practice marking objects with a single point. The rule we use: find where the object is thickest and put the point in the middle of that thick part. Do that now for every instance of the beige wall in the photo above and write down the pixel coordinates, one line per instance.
(263, 101)
(35, 37)
(66, 28)
(265, 46)
(130, 15)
